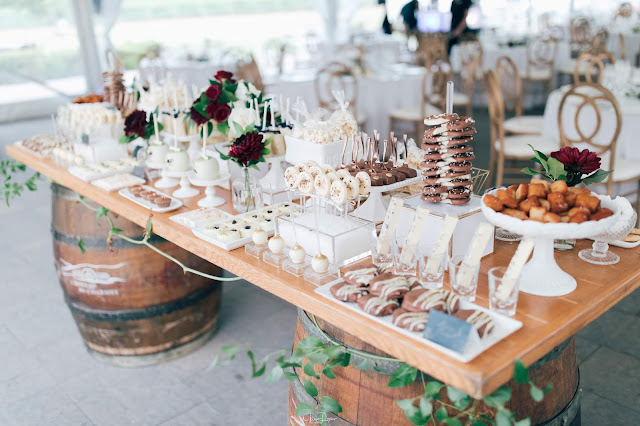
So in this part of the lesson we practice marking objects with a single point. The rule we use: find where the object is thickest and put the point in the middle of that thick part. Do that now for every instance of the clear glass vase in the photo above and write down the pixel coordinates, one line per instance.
(246, 193)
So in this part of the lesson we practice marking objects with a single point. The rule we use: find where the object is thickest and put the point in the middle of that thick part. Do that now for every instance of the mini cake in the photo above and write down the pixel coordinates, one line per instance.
(259, 237)
(162, 201)
(320, 263)
(412, 321)
(214, 230)
(177, 160)
(136, 190)
(228, 235)
(297, 254)
(377, 306)
(268, 224)
(253, 217)
(447, 160)
(206, 168)
(269, 212)
(246, 231)
(276, 244)
(347, 292)
(157, 152)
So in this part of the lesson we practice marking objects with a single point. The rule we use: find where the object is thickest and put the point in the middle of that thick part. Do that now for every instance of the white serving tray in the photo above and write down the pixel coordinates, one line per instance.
(175, 203)
(185, 219)
(504, 326)
(231, 245)
(106, 184)
(75, 171)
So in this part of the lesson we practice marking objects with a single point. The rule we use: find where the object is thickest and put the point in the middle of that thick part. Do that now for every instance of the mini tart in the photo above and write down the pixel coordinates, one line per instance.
(270, 212)
(253, 217)
(214, 230)
(247, 230)
(162, 201)
(135, 190)
(338, 192)
(268, 224)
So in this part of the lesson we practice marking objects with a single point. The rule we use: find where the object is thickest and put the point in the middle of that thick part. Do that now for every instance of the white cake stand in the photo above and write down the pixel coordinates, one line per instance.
(542, 276)
(375, 207)
(164, 181)
(211, 200)
(185, 190)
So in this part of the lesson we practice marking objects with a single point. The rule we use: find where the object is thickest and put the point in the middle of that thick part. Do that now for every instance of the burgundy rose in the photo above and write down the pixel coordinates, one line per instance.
(222, 113)
(223, 75)
(213, 92)
(135, 123)
(211, 109)
(577, 163)
(197, 118)
(247, 147)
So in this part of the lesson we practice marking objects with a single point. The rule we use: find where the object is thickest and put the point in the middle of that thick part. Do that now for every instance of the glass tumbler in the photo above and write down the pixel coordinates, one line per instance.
(400, 268)
(427, 279)
(380, 260)
(465, 290)
(503, 296)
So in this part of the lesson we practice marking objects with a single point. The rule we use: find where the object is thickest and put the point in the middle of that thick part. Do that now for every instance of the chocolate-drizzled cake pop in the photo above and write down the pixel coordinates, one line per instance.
(447, 162)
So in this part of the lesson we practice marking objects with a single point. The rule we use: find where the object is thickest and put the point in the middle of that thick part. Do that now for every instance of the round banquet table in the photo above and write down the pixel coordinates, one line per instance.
(627, 147)
(398, 87)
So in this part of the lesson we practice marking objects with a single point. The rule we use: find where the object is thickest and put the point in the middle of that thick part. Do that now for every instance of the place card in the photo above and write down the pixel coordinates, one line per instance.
(448, 331)
(139, 172)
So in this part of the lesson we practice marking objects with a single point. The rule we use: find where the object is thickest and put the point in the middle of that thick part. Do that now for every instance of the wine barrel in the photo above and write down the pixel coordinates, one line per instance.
(366, 399)
(133, 306)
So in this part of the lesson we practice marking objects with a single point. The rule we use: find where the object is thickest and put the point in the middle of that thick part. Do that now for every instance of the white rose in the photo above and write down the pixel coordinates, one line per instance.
(243, 116)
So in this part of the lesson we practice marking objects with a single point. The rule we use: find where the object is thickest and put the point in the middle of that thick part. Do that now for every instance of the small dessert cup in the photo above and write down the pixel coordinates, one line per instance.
(502, 299)
(465, 290)
(400, 268)
(431, 279)
(380, 260)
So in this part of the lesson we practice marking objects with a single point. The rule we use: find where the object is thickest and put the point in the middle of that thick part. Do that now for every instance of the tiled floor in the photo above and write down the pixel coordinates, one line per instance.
(47, 377)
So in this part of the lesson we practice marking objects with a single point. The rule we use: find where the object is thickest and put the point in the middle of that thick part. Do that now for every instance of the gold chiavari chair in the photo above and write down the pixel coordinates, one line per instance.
(541, 58)
(510, 85)
(434, 87)
(599, 42)
(508, 148)
(249, 71)
(580, 36)
(338, 76)
(432, 47)
(590, 67)
(587, 106)
(623, 48)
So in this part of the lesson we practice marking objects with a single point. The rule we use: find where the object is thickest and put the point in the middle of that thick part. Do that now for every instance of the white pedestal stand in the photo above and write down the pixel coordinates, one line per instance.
(375, 207)
(211, 200)
(542, 276)
(164, 181)
(185, 191)
(274, 179)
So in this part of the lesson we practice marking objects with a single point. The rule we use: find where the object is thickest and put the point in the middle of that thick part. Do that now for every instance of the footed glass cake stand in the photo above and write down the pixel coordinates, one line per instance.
(542, 276)
(185, 190)
(211, 200)
(599, 254)
(165, 181)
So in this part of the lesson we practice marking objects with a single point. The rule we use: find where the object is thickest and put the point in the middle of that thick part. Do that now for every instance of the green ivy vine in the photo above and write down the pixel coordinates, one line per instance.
(11, 188)
(426, 408)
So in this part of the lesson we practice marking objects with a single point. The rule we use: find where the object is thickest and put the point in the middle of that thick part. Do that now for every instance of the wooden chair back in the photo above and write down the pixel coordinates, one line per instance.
(590, 96)
(336, 76)
(496, 107)
(591, 67)
(434, 89)
(599, 41)
(432, 47)
(623, 48)
(510, 85)
(249, 71)
(541, 55)
(471, 59)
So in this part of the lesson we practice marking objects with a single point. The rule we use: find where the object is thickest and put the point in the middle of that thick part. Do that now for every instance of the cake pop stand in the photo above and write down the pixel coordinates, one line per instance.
(375, 208)
(542, 276)
(165, 181)
(185, 190)
(211, 200)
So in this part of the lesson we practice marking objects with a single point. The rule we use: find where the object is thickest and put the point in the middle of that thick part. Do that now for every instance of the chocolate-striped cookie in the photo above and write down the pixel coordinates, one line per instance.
(377, 306)
(389, 286)
(347, 292)
(423, 300)
(412, 321)
(360, 274)
(481, 321)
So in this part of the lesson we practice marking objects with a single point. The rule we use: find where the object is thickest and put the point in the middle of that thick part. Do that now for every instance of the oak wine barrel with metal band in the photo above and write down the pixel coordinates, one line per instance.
(366, 399)
(132, 305)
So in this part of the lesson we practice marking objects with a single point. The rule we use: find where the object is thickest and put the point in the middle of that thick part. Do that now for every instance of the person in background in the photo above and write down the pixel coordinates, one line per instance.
(386, 25)
(408, 14)
(459, 13)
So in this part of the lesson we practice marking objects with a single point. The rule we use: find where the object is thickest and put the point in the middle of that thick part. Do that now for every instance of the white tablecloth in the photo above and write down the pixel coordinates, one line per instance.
(628, 146)
(378, 94)
(631, 45)
(191, 72)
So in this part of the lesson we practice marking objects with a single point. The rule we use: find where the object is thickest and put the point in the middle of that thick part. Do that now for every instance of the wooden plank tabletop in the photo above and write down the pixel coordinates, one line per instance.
(546, 321)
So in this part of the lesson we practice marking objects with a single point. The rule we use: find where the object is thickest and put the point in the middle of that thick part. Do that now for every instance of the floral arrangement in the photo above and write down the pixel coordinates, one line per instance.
(136, 125)
(249, 149)
(569, 164)
(227, 104)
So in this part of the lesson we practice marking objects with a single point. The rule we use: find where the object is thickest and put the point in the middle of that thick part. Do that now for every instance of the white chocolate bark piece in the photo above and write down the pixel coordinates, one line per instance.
(474, 254)
(442, 244)
(515, 268)
(389, 226)
(415, 232)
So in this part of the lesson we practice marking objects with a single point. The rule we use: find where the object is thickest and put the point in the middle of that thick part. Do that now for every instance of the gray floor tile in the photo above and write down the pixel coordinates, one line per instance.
(599, 411)
(66, 358)
(51, 407)
(200, 415)
(615, 330)
(613, 375)
(630, 304)
(16, 359)
(584, 348)
(25, 385)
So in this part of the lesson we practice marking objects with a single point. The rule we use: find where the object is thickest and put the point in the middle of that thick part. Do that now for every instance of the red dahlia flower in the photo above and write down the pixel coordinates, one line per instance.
(577, 163)
(213, 92)
(221, 113)
(135, 123)
(247, 147)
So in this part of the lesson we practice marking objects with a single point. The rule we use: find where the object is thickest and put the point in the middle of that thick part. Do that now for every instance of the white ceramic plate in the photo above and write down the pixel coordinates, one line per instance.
(175, 203)
(504, 326)
(115, 182)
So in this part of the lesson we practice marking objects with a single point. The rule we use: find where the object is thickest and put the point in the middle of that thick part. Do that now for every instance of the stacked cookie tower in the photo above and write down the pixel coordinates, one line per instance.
(447, 165)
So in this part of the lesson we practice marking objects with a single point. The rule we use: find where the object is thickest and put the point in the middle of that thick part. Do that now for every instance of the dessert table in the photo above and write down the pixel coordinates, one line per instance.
(547, 322)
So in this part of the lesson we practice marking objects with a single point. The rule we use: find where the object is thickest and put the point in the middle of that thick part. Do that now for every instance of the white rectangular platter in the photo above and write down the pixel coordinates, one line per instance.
(227, 245)
(200, 217)
(175, 203)
(504, 326)
(115, 182)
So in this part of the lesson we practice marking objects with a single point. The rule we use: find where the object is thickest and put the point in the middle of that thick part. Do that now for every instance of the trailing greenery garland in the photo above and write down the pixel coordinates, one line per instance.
(11, 188)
